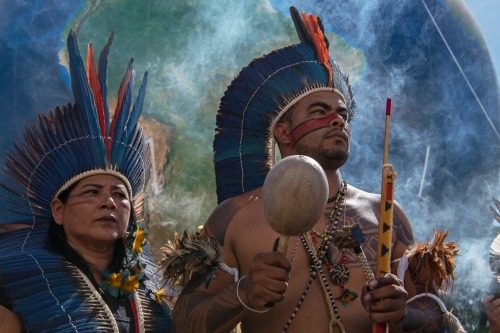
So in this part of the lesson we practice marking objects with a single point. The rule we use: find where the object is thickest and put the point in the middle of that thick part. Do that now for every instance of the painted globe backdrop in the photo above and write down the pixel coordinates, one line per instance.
(428, 55)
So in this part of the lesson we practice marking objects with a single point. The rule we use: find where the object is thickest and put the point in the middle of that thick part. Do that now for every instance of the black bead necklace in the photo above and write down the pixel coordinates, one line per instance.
(318, 258)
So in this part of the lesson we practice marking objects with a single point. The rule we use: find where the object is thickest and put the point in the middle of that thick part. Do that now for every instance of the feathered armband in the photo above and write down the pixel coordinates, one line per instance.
(191, 255)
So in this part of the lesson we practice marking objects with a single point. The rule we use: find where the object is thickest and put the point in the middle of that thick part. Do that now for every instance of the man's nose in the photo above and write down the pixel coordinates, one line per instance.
(337, 121)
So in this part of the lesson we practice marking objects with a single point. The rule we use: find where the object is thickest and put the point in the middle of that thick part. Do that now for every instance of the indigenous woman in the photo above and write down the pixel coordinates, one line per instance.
(77, 262)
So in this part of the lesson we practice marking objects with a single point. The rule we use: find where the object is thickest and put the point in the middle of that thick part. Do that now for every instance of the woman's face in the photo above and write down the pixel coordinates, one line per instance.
(96, 212)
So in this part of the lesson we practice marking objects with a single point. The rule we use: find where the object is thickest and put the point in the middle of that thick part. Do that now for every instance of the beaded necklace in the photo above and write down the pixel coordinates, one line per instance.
(322, 255)
(338, 272)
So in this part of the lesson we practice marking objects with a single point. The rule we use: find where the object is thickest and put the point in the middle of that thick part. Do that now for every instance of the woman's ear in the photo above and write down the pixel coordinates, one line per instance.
(57, 208)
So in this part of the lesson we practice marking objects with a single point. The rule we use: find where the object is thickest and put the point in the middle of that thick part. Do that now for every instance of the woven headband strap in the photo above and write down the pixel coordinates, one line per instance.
(89, 173)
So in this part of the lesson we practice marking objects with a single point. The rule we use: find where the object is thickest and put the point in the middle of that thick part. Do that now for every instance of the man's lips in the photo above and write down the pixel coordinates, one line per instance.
(336, 133)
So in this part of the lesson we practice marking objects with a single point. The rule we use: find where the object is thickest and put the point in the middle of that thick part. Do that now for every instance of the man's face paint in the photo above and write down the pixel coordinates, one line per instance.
(312, 125)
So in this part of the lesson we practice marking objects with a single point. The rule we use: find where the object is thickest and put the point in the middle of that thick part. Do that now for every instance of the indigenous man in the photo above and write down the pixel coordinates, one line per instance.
(299, 98)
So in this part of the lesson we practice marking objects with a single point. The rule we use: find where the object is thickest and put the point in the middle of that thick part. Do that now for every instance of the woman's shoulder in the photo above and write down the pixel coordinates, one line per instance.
(9, 322)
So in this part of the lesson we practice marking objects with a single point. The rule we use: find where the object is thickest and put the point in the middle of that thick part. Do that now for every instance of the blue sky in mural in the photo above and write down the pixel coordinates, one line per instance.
(487, 14)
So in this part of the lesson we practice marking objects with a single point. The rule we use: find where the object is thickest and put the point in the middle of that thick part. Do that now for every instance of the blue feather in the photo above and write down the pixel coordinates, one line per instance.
(102, 72)
(133, 120)
(121, 120)
(83, 94)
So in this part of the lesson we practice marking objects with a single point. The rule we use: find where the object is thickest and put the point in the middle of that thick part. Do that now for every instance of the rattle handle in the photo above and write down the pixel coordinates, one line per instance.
(283, 245)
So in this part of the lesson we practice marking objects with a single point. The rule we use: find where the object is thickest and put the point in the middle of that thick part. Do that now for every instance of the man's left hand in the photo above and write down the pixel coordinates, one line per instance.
(385, 300)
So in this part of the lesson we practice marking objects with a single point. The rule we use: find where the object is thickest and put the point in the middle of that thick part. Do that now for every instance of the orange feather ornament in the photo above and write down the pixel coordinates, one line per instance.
(312, 25)
(434, 262)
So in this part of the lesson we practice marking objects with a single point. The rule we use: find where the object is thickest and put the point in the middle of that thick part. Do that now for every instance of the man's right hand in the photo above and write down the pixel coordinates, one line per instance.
(267, 280)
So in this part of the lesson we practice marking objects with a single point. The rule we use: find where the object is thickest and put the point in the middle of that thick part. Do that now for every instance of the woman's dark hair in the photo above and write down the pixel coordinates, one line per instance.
(57, 241)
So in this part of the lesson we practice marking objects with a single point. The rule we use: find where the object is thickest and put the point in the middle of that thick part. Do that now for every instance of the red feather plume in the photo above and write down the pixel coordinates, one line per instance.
(95, 87)
(311, 23)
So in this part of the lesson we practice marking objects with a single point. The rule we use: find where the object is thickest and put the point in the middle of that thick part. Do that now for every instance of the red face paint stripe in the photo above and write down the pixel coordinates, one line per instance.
(309, 126)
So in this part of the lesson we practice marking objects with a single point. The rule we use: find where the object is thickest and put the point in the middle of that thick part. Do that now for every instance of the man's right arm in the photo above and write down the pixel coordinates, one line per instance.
(216, 308)
(219, 307)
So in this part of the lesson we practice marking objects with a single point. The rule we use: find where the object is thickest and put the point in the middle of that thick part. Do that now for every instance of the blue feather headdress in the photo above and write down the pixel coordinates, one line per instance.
(77, 141)
(259, 96)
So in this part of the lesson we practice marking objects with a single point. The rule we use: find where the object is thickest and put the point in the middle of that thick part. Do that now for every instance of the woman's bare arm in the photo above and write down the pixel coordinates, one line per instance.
(9, 321)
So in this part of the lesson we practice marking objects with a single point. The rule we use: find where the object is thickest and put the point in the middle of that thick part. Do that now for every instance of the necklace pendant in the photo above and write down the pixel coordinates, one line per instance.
(347, 296)
(339, 274)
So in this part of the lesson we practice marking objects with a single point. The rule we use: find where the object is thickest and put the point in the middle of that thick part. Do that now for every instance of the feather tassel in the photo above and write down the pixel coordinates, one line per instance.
(434, 262)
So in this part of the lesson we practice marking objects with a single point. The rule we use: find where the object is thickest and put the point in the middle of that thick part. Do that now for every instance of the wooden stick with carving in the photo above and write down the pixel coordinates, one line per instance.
(386, 212)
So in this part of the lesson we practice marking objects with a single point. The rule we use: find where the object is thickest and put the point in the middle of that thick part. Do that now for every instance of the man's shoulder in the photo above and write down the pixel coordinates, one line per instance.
(228, 210)
(229, 207)
(364, 198)
(362, 195)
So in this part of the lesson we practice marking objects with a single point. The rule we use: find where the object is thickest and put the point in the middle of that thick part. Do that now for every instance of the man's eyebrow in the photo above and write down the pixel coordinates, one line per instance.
(340, 108)
(318, 103)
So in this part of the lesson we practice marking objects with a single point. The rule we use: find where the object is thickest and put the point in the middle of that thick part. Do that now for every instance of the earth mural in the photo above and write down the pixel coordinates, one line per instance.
(429, 56)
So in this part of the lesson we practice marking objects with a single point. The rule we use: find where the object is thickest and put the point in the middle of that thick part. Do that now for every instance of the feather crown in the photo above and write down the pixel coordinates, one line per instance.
(79, 140)
(258, 97)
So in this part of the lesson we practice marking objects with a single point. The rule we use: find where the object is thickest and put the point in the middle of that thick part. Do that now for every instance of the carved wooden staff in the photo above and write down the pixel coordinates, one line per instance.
(386, 212)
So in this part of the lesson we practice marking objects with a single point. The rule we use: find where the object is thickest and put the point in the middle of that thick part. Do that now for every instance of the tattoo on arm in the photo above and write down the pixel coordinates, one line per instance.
(217, 309)
(199, 312)
(402, 227)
